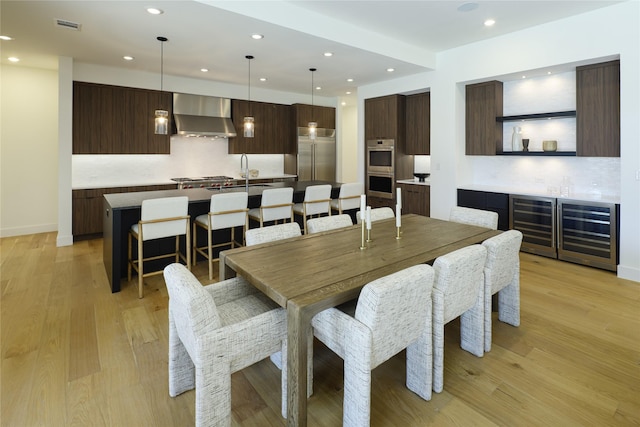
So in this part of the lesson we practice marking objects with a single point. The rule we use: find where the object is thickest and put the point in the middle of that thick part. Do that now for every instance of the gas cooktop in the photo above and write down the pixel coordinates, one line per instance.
(203, 178)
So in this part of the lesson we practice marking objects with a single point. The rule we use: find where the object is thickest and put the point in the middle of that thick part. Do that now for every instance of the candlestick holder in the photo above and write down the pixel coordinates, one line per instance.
(368, 235)
(398, 233)
(362, 246)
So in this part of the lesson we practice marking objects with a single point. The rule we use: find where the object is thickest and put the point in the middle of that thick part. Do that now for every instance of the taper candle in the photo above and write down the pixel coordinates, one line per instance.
(363, 206)
(368, 217)
(399, 197)
(398, 214)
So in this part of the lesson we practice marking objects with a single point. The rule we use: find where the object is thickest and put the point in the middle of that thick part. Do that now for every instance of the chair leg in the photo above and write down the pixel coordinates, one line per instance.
(181, 367)
(194, 233)
(213, 394)
(357, 388)
(177, 249)
(509, 304)
(420, 363)
(140, 268)
(210, 253)
(129, 257)
(187, 245)
(487, 318)
(472, 326)
(438, 355)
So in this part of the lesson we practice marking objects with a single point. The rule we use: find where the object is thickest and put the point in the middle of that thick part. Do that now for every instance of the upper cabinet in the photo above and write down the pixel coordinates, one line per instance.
(274, 130)
(598, 110)
(483, 105)
(324, 116)
(418, 123)
(117, 120)
(384, 118)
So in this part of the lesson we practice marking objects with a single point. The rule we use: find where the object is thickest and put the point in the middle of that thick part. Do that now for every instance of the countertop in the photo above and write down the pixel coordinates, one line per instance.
(88, 186)
(414, 181)
(532, 191)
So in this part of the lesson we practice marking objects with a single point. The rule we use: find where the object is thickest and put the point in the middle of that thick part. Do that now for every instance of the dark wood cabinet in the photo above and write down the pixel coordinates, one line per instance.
(488, 201)
(384, 118)
(483, 133)
(418, 123)
(87, 205)
(416, 199)
(379, 202)
(117, 120)
(324, 116)
(273, 128)
(598, 110)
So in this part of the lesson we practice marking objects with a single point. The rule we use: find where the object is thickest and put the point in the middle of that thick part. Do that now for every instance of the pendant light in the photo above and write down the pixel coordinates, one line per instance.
(161, 122)
(248, 120)
(312, 125)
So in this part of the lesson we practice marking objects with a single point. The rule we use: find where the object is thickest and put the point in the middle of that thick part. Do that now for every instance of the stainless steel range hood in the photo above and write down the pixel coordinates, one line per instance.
(202, 116)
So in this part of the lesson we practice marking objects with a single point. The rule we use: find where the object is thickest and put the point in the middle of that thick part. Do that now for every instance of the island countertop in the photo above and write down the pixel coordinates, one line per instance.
(121, 210)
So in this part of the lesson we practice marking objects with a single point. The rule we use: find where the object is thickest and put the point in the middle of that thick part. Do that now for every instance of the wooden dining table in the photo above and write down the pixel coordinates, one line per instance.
(311, 273)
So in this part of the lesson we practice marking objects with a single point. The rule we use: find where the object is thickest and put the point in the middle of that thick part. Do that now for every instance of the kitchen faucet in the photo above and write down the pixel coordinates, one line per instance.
(244, 161)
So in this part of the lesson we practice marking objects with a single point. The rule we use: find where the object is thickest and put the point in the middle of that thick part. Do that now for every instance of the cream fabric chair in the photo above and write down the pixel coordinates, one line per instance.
(458, 290)
(214, 331)
(472, 216)
(159, 218)
(255, 236)
(392, 313)
(226, 211)
(276, 204)
(502, 276)
(378, 214)
(348, 198)
(325, 223)
(317, 199)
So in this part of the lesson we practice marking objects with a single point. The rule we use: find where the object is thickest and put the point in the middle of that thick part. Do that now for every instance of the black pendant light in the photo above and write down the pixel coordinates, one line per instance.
(161, 116)
(248, 120)
(313, 125)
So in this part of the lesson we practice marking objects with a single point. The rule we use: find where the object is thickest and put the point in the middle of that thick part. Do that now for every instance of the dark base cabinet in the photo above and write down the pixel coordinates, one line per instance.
(488, 201)
(415, 199)
(535, 218)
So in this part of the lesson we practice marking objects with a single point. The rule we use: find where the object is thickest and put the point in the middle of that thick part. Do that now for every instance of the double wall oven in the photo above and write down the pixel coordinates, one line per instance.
(380, 168)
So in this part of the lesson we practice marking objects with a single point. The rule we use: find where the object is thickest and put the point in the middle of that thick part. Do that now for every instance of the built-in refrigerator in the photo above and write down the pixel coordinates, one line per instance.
(317, 157)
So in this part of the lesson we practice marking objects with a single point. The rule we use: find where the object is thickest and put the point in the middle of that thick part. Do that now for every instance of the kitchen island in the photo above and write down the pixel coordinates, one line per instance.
(122, 210)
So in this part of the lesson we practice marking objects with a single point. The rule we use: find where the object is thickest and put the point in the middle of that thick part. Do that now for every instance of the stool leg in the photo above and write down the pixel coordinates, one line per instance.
(140, 267)
(129, 263)
(188, 245)
(210, 253)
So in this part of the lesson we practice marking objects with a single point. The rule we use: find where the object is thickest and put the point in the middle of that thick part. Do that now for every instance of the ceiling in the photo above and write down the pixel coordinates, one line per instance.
(365, 37)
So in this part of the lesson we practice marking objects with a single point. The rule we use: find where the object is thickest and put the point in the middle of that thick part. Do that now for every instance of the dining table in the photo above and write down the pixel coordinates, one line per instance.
(313, 272)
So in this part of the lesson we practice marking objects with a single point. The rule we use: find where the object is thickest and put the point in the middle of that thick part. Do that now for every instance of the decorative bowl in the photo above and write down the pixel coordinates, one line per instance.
(550, 145)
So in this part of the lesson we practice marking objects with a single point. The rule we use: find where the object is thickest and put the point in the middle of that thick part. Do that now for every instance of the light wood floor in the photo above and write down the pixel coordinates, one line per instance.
(75, 354)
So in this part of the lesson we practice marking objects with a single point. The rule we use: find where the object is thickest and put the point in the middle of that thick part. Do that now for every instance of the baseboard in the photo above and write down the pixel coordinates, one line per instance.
(64, 240)
(32, 229)
(629, 273)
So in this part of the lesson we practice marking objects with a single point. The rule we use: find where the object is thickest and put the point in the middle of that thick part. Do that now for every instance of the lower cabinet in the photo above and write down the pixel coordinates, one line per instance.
(87, 205)
(415, 199)
(488, 201)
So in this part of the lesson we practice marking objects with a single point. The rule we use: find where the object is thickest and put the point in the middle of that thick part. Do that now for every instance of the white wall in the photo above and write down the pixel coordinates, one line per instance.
(347, 125)
(603, 34)
(28, 143)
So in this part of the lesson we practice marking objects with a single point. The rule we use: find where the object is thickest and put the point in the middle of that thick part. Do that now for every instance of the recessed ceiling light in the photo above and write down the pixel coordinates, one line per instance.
(348, 92)
(343, 103)
(467, 7)
(349, 80)
(13, 59)
(390, 70)
(204, 70)
(548, 72)
(155, 11)
(127, 58)
(318, 87)
(263, 79)
(5, 38)
(489, 22)
(524, 77)
(257, 36)
(328, 54)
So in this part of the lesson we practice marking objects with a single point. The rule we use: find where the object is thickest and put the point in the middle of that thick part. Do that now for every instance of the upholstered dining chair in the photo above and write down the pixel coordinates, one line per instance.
(276, 204)
(214, 331)
(272, 233)
(392, 313)
(348, 198)
(378, 214)
(317, 199)
(473, 216)
(159, 218)
(502, 276)
(325, 223)
(458, 291)
(226, 211)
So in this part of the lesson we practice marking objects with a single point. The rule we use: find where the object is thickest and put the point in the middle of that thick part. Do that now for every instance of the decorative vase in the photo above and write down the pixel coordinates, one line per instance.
(516, 139)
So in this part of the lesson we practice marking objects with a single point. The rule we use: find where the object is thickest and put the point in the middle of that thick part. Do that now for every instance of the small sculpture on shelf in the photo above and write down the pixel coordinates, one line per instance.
(525, 144)
(516, 139)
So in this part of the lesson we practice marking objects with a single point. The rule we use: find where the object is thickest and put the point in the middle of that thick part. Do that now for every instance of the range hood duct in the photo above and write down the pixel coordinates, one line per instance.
(202, 116)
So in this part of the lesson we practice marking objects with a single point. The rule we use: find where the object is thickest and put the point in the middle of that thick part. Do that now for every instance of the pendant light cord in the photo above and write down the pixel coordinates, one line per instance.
(161, 39)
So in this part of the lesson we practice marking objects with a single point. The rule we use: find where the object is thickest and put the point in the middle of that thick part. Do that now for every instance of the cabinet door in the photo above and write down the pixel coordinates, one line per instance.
(483, 105)
(381, 117)
(415, 199)
(598, 110)
(273, 128)
(324, 116)
(418, 123)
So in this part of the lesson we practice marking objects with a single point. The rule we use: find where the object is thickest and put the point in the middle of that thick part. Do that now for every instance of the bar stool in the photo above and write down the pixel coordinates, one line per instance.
(276, 204)
(348, 198)
(226, 211)
(160, 218)
(317, 199)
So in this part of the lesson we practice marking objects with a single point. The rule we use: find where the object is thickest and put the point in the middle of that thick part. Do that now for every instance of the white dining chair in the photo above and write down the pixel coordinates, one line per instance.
(392, 313)
(317, 199)
(348, 198)
(226, 211)
(271, 233)
(502, 276)
(276, 204)
(159, 218)
(326, 223)
(378, 214)
(458, 291)
(473, 216)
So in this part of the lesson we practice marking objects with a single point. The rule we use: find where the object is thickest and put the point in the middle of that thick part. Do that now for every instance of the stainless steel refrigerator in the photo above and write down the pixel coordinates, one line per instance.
(317, 158)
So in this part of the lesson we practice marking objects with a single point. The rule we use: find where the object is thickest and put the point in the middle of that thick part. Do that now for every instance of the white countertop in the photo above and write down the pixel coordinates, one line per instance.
(532, 191)
(414, 181)
(87, 186)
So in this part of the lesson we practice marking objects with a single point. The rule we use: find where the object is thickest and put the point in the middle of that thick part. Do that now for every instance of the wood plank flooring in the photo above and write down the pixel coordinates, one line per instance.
(73, 353)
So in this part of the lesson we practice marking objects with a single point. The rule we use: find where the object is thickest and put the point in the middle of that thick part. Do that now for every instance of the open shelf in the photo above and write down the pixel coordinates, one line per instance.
(537, 153)
(538, 116)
